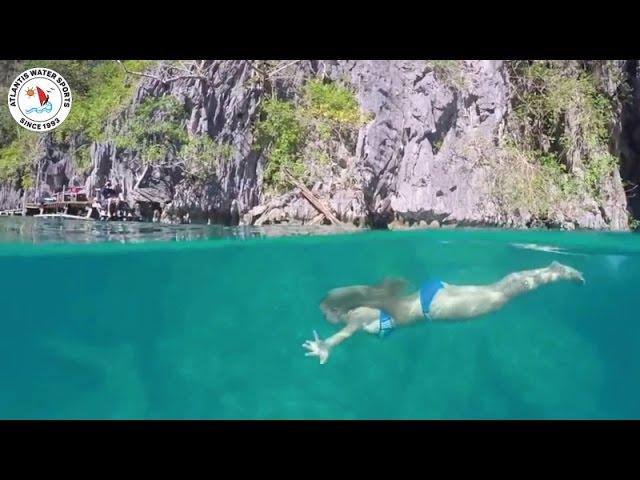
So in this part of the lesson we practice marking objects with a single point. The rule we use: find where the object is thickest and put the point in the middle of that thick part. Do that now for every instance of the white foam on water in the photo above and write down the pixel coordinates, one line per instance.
(543, 248)
(540, 248)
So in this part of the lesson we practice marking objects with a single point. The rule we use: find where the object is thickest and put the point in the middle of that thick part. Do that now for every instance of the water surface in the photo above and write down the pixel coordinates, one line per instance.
(96, 327)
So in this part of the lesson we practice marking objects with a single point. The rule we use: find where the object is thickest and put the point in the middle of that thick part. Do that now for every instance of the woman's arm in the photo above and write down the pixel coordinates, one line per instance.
(342, 335)
(320, 348)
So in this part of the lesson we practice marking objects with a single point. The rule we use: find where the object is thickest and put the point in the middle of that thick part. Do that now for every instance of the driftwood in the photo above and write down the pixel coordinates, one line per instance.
(187, 73)
(318, 219)
(312, 199)
(150, 194)
(145, 191)
(143, 177)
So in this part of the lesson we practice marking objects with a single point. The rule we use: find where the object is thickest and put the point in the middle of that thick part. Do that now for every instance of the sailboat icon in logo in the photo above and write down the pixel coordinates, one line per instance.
(45, 104)
(43, 97)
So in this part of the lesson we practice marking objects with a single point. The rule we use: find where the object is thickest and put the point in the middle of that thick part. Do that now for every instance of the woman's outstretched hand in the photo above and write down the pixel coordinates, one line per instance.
(317, 348)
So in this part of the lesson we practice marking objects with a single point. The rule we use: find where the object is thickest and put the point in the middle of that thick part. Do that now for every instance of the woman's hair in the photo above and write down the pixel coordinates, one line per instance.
(339, 301)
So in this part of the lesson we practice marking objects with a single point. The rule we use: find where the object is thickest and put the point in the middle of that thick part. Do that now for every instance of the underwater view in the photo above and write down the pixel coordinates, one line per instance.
(319, 239)
(123, 323)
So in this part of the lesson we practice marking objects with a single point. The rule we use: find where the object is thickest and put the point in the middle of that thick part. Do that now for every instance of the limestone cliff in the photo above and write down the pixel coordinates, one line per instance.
(434, 149)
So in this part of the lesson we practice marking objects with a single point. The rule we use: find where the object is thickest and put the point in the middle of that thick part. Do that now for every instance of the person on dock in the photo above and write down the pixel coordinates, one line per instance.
(122, 207)
(380, 309)
(95, 211)
(109, 195)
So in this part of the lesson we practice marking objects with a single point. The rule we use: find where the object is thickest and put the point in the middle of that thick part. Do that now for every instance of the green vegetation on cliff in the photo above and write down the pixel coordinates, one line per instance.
(201, 156)
(101, 90)
(334, 104)
(105, 93)
(450, 72)
(15, 159)
(557, 151)
(294, 134)
(281, 134)
(157, 131)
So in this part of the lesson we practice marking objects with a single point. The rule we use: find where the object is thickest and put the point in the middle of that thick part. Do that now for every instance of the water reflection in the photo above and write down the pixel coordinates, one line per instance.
(57, 230)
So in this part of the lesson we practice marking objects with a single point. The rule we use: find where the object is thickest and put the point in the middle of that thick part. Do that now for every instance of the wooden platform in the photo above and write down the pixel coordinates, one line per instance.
(34, 209)
(103, 218)
(58, 205)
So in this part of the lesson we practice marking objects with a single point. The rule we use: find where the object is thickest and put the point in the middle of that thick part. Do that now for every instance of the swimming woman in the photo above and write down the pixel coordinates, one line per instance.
(380, 309)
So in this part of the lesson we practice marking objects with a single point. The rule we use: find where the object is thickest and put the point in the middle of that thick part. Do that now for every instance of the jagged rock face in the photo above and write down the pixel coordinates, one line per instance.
(111, 163)
(9, 197)
(410, 152)
(420, 155)
(627, 138)
(225, 108)
(417, 161)
(396, 158)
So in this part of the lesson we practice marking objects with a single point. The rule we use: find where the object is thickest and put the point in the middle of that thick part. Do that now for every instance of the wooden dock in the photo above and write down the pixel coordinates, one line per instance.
(39, 209)
(75, 205)
(64, 202)
(58, 206)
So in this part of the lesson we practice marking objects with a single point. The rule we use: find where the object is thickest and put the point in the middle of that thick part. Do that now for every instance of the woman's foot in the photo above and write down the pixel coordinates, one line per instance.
(567, 273)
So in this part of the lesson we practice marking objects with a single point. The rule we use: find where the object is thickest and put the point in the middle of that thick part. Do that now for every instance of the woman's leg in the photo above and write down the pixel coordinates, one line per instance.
(519, 282)
(458, 302)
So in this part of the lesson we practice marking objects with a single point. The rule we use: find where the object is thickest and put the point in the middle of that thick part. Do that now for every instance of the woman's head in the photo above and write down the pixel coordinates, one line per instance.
(332, 314)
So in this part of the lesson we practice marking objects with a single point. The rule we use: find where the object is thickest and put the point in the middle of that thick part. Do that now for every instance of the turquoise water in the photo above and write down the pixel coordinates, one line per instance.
(212, 329)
